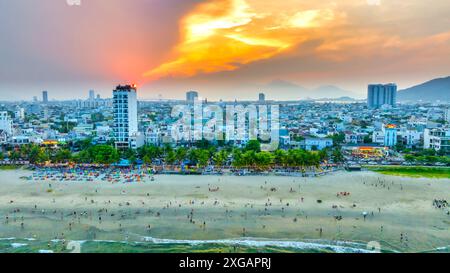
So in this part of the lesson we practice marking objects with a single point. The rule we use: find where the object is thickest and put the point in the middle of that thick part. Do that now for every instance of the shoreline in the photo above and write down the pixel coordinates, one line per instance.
(382, 169)
(400, 212)
(238, 244)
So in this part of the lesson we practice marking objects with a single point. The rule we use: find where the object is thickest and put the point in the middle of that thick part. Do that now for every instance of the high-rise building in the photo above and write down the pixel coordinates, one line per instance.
(91, 95)
(381, 94)
(44, 97)
(262, 97)
(191, 96)
(390, 135)
(125, 116)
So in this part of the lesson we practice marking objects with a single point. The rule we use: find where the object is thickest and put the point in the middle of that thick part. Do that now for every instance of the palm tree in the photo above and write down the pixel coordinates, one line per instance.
(220, 158)
(180, 154)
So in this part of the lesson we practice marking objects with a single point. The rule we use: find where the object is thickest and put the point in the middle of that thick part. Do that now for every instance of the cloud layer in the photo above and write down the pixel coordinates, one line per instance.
(234, 42)
(223, 48)
(222, 35)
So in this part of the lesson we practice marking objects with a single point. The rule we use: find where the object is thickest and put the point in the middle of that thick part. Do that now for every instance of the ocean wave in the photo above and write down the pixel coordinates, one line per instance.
(7, 239)
(442, 248)
(45, 251)
(335, 246)
(17, 245)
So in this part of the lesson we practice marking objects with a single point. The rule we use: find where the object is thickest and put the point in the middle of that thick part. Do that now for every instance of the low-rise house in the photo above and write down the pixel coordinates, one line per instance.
(312, 144)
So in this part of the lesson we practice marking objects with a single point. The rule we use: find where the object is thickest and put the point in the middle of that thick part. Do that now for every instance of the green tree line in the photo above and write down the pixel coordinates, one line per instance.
(203, 155)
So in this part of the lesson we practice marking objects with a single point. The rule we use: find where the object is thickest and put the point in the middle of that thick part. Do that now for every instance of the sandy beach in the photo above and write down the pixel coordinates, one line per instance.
(355, 208)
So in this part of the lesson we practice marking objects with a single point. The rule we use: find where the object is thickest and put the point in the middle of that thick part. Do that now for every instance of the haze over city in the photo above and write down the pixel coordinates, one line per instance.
(225, 49)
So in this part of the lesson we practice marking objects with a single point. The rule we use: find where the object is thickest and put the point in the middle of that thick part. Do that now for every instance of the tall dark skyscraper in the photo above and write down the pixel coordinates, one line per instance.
(191, 96)
(44, 97)
(262, 97)
(91, 95)
(381, 94)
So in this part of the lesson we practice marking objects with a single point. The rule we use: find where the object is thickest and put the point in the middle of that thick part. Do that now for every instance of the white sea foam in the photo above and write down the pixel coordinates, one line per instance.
(335, 246)
(45, 251)
(7, 239)
(17, 245)
(338, 246)
(443, 248)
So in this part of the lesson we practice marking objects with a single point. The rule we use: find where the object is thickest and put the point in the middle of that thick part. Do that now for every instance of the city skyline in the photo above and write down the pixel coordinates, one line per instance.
(166, 47)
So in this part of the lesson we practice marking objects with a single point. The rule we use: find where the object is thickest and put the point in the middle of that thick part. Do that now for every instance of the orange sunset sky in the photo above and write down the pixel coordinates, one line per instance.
(225, 49)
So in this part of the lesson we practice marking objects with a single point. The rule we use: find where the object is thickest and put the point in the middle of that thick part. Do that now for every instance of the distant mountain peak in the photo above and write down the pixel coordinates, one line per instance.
(289, 90)
(433, 90)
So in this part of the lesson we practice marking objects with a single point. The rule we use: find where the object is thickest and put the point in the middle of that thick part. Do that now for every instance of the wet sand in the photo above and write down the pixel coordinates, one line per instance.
(400, 212)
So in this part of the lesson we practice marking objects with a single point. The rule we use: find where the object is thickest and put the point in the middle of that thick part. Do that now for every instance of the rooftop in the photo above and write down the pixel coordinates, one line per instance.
(128, 87)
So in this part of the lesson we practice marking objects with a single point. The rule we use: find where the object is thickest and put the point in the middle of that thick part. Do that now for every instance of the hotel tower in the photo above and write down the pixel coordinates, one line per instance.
(125, 117)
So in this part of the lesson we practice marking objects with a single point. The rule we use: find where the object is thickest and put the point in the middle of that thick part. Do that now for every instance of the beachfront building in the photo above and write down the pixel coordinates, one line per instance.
(381, 94)
(152, 136)
(126, 132)
(437, 139)
(390, 135)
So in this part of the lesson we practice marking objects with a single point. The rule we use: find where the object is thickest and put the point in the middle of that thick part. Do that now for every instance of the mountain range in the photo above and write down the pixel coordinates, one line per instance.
(434, 90)
(430, 91)
(293, 91)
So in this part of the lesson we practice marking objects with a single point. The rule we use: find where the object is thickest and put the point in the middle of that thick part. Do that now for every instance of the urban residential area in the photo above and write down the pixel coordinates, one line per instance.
(320, 135)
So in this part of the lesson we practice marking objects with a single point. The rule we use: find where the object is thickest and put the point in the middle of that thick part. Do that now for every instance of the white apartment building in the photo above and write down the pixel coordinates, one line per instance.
(410, 137)
(3, 138)
(378, 137)
(6, 123)
(20, 140)
(315, 143)
(153, 136)
(19, 113)
(126, 132)
(437, 139)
